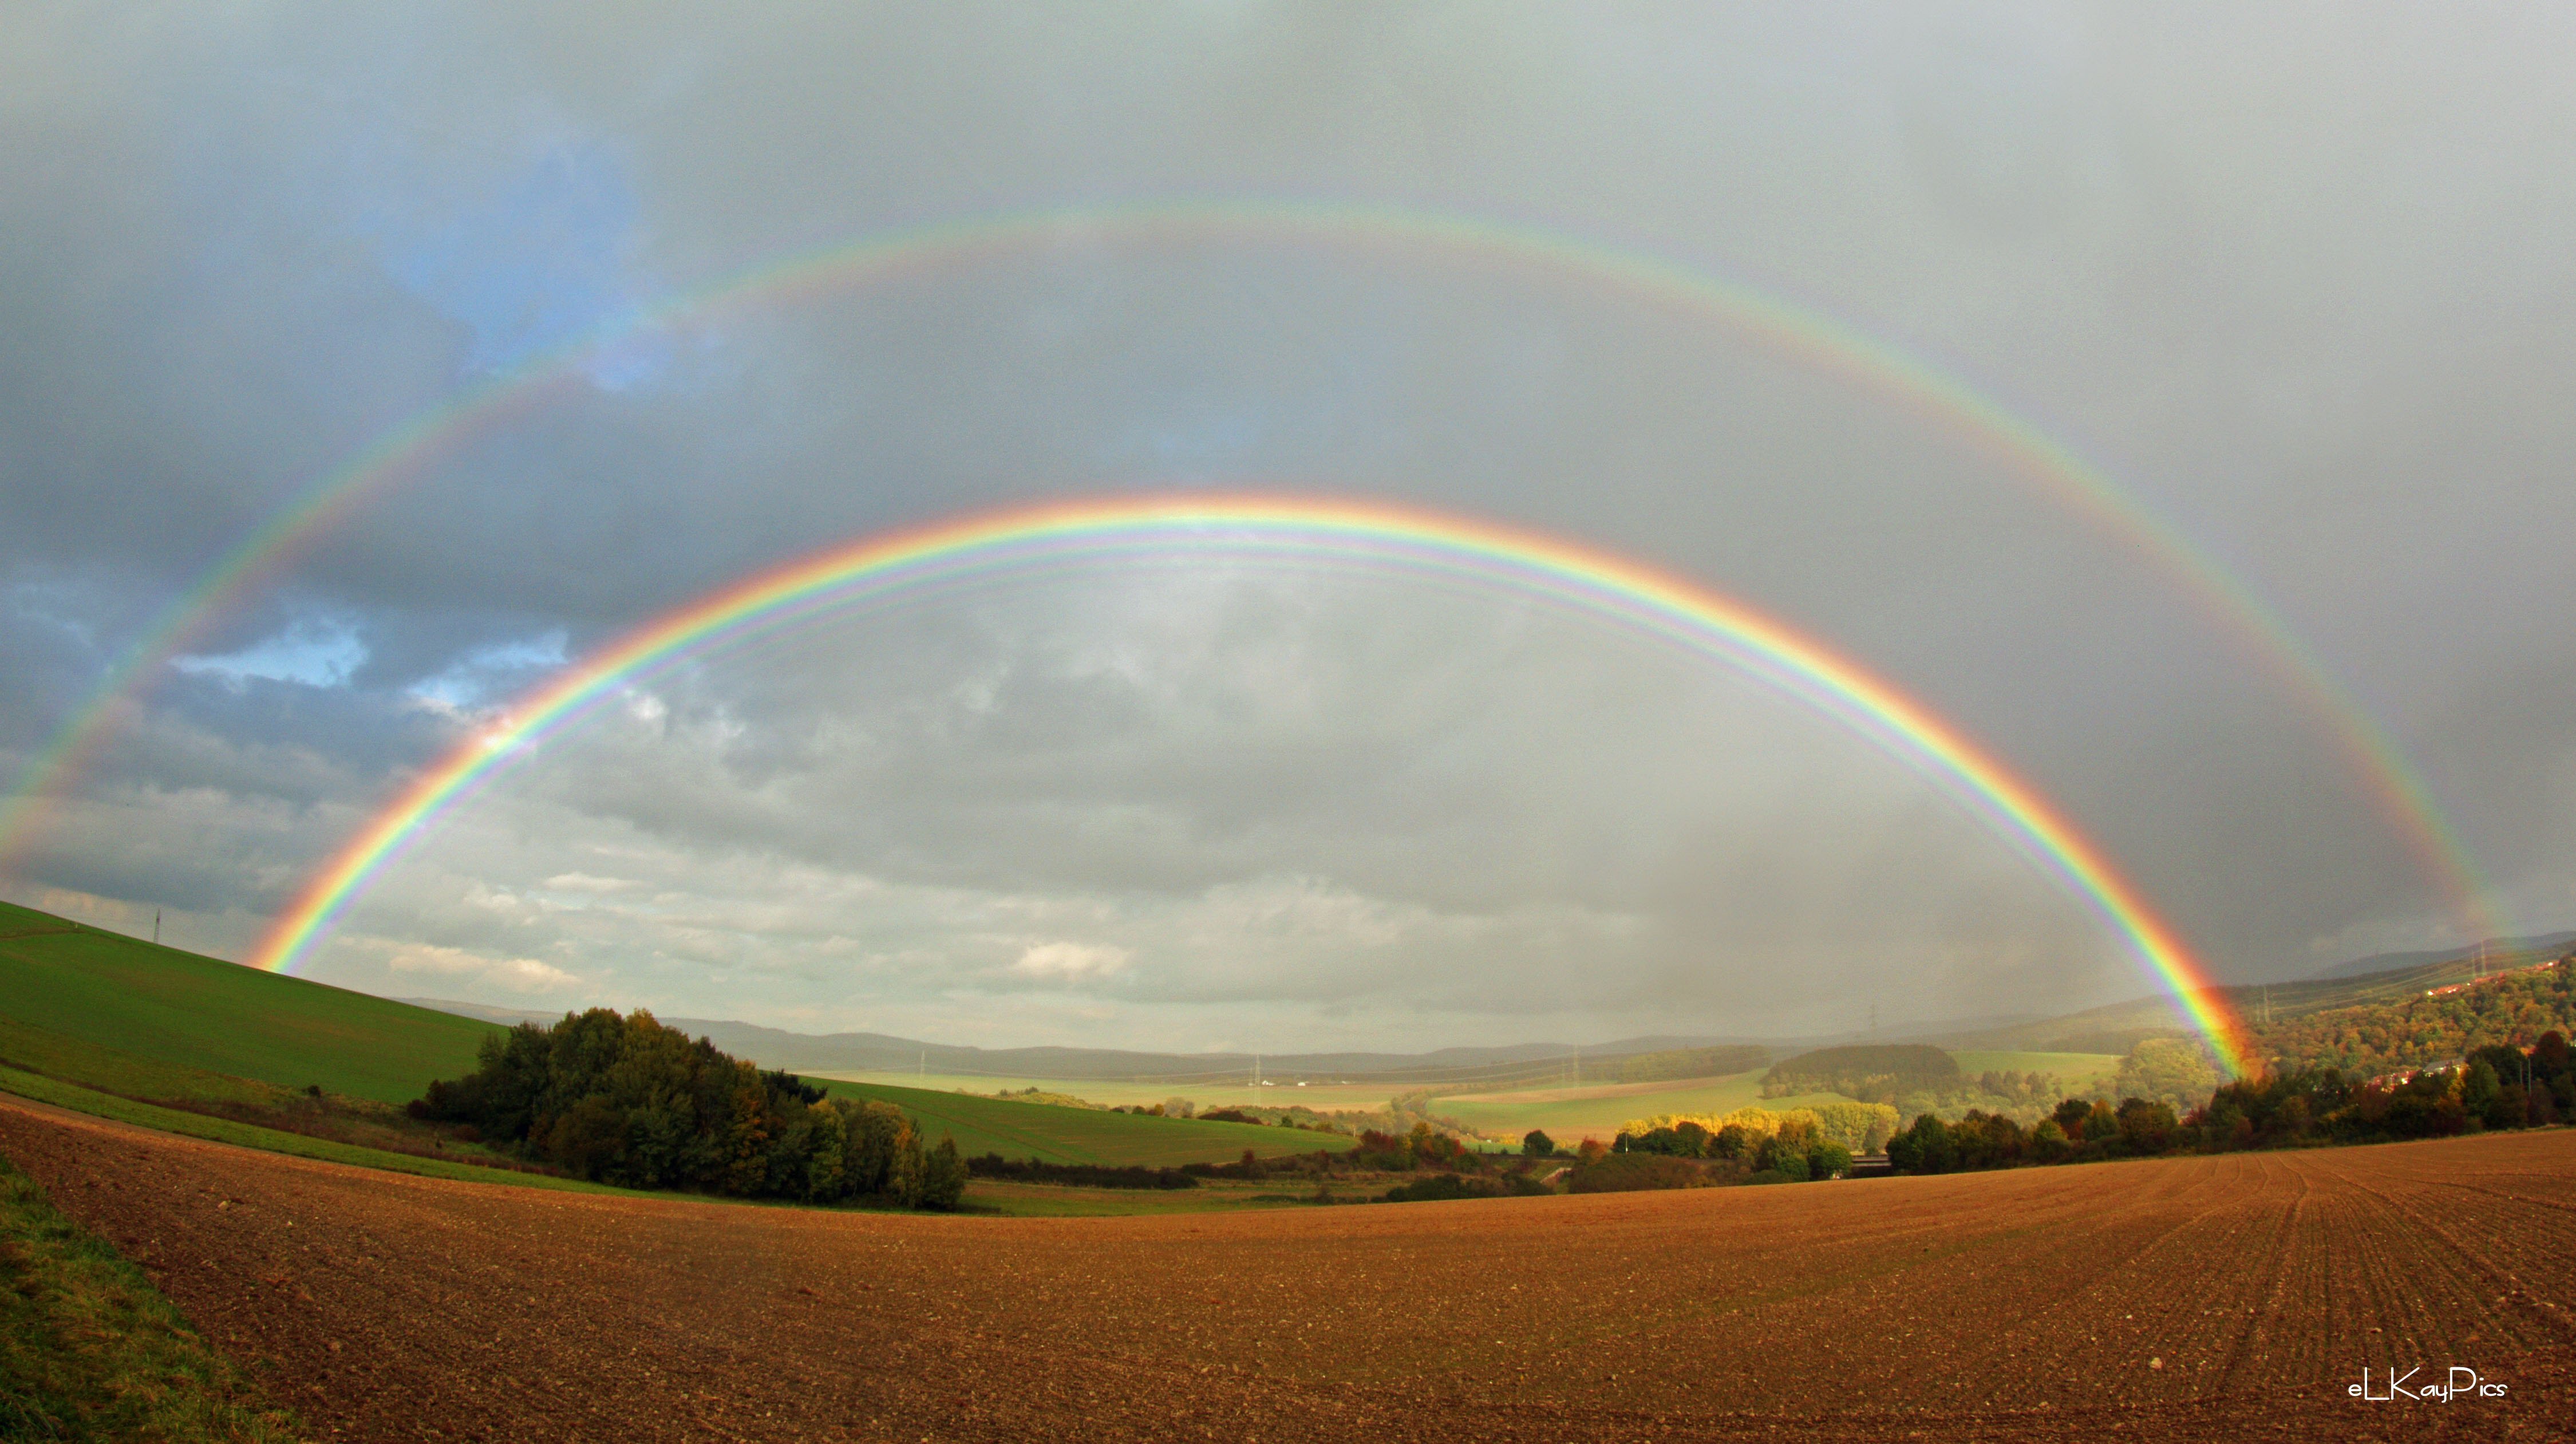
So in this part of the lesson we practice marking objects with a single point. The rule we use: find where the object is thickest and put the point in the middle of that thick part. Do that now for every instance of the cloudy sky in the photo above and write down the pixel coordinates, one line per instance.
(2298, 281)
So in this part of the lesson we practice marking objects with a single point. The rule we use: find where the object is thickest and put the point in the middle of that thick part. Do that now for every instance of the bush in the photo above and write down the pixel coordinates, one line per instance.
(1631, 1172)
(1536, 1144)
(1437, 1187)
(1084, 1175)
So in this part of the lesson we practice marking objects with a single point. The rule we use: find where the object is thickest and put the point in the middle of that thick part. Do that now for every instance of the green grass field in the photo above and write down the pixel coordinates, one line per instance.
(101, 1014)
(1111, 1092)
(1053, 1134)
(1571, 1114)
(2077, 1071)
(172, 1007)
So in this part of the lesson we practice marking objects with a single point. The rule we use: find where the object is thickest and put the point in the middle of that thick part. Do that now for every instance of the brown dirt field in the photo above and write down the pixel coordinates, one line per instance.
(2014, 1306)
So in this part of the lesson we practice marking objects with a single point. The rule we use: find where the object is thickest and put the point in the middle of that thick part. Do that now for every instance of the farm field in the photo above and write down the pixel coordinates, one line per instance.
(1572, 1114)
(2077, 1070)
(2016, 1306)
(1112, 1093)
(1056, 1134)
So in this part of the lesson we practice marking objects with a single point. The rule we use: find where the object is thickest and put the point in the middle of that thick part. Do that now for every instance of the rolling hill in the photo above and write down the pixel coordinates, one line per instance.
(1055, 1134)
(1659, 1056)
(2117, 1027)
(141, 1021)
(170, 1006)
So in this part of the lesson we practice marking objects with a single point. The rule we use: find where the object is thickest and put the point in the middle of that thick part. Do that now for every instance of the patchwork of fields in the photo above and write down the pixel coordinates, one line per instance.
(2208, 1299)
(136, 1021)
(1572, 1114)
(1054, 1134)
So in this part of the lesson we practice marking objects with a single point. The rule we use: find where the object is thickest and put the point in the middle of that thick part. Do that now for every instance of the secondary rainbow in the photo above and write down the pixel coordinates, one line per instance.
(2395, 788)
(1306, 530)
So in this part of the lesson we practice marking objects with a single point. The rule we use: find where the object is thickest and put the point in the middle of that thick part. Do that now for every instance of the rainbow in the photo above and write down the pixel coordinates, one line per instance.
(1340, 532)
(1811, 337)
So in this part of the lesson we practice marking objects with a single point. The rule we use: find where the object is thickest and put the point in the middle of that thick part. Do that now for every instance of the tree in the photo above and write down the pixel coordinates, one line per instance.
(1591, 1151)
(2479, 1091)
(1536, 1144)
(2173, 1071)
(2145, 1125)
(2069, 1116)
(943, 1176)
(1828, 1159)
(2100, 1124)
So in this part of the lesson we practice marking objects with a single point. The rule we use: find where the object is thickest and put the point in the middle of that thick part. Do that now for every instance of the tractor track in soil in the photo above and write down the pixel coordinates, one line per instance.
(2014, 1306)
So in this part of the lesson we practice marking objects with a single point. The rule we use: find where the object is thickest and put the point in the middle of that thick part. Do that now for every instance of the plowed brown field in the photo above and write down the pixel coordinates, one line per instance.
(2023, 1305)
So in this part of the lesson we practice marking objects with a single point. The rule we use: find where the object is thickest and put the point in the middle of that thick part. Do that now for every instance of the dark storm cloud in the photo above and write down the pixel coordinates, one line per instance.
(2305, 288)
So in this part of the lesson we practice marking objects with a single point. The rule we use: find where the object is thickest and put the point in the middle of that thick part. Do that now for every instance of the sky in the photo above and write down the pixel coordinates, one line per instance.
(2294, 283)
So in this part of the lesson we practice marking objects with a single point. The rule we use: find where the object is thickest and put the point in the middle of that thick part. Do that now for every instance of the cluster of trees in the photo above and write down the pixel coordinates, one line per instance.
(2497, 1086)
(1508, 1183)
(2079, 1128)
(2174, 1071)
(628, 1101)
(1422, 1146)
(1872, 1073)
(1911, 1078)
(1792, 1151)
(2379, 1038)
(1858, 1127)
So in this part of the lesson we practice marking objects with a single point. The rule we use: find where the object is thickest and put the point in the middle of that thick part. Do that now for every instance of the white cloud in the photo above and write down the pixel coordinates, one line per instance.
(1072, 962)
(524, 976)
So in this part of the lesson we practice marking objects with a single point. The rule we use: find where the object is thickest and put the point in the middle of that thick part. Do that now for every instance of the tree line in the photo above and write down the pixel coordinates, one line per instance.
(2498, 1086)
(628, 1101)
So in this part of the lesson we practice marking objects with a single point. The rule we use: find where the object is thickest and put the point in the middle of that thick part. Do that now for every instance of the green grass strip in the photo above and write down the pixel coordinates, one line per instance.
(251, 1135)
(89, 1350)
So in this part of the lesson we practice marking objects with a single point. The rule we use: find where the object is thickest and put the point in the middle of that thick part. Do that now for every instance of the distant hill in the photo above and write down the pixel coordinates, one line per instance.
(1647, 1057)
(2397, 962)
(2118, 1027)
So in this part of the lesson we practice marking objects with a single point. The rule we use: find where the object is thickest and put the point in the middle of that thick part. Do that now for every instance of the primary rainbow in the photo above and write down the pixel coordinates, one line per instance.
(2396, 790)
(1305, 529)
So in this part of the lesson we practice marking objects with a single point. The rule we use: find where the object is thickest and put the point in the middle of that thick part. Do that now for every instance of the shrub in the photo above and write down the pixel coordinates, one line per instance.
(1630, 1172)
(1086, 1175)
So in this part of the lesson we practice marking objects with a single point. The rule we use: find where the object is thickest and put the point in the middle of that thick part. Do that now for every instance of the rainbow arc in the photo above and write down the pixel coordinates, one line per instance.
(1813, 338)
(1308, 530)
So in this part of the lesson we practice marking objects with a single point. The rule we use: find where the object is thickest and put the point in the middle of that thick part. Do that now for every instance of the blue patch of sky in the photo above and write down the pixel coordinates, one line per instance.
(540, 260)
(490, 670)
(314, 653)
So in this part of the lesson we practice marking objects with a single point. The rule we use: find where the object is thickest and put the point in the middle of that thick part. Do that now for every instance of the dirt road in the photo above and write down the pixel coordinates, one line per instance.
(2206, 1299)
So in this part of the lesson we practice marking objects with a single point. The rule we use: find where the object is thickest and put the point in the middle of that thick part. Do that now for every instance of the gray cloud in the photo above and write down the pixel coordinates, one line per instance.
(2302, 288)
